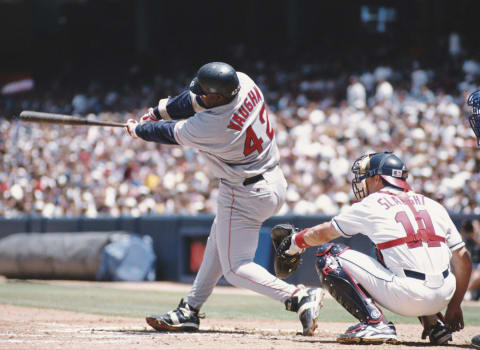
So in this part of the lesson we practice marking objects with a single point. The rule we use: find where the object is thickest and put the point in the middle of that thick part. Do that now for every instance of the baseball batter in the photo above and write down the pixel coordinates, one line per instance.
(416, 241)
(225, 117)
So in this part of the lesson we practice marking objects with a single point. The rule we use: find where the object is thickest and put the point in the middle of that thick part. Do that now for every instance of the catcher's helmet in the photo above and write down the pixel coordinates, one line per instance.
(216, 78)
(386, 164)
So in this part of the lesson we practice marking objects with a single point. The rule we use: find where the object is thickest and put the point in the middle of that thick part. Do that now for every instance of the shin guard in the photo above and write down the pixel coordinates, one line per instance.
(340, 284)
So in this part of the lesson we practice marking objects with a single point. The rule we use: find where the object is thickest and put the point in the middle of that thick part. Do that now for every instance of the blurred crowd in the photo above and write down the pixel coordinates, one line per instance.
(324, 120)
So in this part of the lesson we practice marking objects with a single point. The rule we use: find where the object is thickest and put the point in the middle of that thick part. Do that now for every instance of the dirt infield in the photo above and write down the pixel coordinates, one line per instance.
(30, 328)
(27, 328)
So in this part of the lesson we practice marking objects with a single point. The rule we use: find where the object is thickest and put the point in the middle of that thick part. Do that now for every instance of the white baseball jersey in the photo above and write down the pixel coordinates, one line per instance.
(236, 139)
(388, 222)
(414, 235)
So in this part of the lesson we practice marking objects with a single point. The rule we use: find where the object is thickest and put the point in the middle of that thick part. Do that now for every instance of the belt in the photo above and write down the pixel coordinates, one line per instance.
(421, 276)
(253, 179)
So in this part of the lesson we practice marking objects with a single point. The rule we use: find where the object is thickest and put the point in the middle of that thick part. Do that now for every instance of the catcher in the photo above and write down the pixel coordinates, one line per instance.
(416, 242)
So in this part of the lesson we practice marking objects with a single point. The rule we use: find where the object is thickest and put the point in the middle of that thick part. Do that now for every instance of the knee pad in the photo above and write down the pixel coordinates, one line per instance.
(341, 285)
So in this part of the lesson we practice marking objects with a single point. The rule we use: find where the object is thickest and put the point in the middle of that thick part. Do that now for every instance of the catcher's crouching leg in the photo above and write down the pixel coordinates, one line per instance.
(342, 287)
(373, 327)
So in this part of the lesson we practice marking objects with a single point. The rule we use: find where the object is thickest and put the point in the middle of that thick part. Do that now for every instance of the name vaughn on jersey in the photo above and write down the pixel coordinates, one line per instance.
(241, 115)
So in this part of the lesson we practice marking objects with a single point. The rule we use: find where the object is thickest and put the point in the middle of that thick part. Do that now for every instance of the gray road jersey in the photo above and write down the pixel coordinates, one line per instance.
(237, 139)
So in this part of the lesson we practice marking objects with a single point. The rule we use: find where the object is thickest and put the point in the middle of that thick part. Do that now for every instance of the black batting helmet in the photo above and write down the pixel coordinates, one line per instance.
(216, 78)
(391, 168)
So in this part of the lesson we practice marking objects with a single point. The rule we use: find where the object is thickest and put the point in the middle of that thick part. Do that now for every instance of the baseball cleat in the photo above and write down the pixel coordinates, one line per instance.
(364, 333)
(306, 303)
(183, 319)
(439, 334)
(436, 330)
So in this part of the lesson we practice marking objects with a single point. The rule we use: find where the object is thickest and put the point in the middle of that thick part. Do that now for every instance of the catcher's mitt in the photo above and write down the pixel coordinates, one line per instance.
(283, 263)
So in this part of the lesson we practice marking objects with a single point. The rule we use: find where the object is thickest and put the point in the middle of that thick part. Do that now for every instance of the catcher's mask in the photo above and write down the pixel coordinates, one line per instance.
(474, 119)
(386, 164)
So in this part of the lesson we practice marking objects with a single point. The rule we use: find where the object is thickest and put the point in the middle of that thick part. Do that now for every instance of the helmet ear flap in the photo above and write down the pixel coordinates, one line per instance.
(196, 88)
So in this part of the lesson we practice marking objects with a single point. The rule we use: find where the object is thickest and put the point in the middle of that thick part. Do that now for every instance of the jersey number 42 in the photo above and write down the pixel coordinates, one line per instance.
(254, 142)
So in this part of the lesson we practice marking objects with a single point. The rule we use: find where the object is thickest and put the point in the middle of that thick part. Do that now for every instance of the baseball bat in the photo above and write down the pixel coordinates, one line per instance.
(52, 118)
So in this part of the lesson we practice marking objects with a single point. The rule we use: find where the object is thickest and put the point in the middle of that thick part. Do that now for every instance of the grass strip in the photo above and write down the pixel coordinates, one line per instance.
(136, 303)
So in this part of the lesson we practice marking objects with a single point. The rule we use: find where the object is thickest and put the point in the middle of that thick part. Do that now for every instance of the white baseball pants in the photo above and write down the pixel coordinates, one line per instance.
(233, 240)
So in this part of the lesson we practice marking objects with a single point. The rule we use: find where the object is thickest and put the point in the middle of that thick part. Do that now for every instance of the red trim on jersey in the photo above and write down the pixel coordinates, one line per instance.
(422, 235)
(228, 255)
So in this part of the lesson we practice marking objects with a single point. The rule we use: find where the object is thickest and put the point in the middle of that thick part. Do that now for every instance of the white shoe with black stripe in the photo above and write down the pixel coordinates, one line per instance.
(365, 333)
(306, 303)
(183, 319)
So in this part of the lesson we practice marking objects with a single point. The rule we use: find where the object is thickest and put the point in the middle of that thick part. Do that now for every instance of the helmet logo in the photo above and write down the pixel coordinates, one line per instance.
(397, 173)
(474, 119)
(234, 92)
